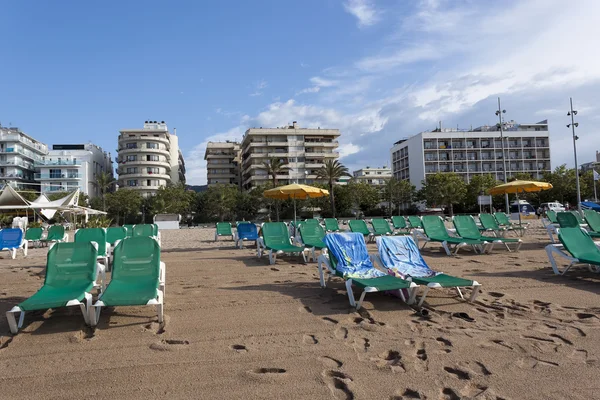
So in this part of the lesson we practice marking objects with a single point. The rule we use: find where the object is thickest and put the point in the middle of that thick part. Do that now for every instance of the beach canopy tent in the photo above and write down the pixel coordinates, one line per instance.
(11, 200)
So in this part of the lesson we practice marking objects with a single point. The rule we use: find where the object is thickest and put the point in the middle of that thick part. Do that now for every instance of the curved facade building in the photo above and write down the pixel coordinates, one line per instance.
(149, 158)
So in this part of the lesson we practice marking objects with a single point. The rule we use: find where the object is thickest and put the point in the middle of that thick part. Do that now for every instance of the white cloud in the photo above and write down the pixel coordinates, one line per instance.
(258, 88)
(348, 149)
(314, 89)
(363, 10)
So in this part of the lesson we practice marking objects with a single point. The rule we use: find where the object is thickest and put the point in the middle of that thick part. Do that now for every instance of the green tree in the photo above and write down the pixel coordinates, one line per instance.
(104, 182)
(122, 204)
(397, 193)
(364, 196)
(172, 199)
(330, 173)
(219, 201)
(444, 189)
(563, 186)
(479, 184)
(29, 195)
(275, 166)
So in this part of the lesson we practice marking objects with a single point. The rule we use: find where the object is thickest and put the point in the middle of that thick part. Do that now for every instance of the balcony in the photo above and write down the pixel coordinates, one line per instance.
(138, 139)
(161, 163)
(323, 154)
(18, 138)
(144, 149)
(57, 176)
(12, 176)
(59, 188)
(143, 175)
(43, 163)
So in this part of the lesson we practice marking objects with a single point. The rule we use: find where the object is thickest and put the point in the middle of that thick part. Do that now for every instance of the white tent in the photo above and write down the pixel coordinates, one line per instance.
(10, 199)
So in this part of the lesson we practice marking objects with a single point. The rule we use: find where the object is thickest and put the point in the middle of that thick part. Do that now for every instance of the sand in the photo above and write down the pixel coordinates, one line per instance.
(237, 327)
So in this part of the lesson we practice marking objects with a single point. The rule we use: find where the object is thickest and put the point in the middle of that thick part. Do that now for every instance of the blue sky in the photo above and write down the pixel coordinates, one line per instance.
(76, 71)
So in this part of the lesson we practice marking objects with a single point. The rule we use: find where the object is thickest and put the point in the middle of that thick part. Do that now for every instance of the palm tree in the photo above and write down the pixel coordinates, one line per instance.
(104, 182)
(330, 173)
(275, 166)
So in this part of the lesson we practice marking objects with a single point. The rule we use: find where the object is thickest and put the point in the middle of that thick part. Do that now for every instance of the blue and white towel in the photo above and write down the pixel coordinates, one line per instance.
(351, 255)
(402, 255)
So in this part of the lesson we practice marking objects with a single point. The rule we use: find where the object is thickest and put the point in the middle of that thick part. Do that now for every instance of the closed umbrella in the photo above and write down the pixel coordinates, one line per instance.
(295, 191)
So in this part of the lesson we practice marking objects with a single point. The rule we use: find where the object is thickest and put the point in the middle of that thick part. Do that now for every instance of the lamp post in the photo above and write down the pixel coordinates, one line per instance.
(573, 125)
(499, 113)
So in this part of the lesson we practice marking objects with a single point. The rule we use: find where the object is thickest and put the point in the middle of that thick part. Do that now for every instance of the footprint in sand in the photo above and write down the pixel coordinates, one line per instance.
(331, 362)
(445, 343)
(330, 320)
(169, 345)
(361, 345)
(270, 371)
(305, 309)
(274, 269)
(407, 394)
(338, 383)
(472, 390)
(390, 359)
(497, 295)
(240, 348)
(461, 374)
(449, 394)
(341, 333)
(309, 339)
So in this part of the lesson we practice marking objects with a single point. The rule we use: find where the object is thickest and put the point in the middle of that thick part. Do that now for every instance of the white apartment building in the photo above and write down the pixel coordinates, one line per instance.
(222, 163)
(149, 158)
(72, 166)
(303, 150)
(18, 153)
(473, 152)
(376, 176)
(594, 165)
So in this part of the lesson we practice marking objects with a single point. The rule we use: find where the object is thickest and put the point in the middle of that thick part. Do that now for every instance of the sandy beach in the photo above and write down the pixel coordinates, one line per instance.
(237, 327)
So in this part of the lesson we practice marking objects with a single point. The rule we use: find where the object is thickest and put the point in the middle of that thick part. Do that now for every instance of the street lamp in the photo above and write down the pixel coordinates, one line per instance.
(574, 125)
(499, 113)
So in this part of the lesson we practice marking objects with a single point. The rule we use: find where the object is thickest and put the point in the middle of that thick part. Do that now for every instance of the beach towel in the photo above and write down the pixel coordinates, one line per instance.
(350, 256)
(403, 254)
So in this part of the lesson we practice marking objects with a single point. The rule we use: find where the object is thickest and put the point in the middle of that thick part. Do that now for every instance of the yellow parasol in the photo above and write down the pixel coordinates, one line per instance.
(295, 191)
(517, 187)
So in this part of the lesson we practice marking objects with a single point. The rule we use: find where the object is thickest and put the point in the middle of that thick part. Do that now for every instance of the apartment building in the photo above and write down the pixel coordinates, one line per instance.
(376, 176)
(594, 165)
(473, 152)
(222, 163)
(18, 154)
(149, 158)
(303, 150)
(68, 167)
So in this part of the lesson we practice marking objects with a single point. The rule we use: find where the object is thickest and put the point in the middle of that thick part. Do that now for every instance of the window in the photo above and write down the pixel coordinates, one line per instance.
(152, 170)
(132, 183)
(132, 170)
(131, 146)
(55, 173)
(151, 145)
(131, 158)
(152, 158)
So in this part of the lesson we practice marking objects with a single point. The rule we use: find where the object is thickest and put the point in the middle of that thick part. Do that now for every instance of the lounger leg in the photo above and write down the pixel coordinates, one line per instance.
(423, 296)
(25, 248)
(360, 300)
(446, 248)
(549, 231)
(321, 273)
(507, 248)
(85, 308)
(460, 293)
(413, 291)
(160, 307)
(12, 323)
(272, 257)
(474, 293)
(13, 253)
(350, 293)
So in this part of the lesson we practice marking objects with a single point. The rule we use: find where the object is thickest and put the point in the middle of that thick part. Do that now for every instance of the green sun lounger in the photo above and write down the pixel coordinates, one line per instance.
(129, 230)
(402, 256)
(467, 228)
(147, 230)
(579, 245)
(312, 236)
(114, 234)
(382, 227)
(399, 224)
(360, 226)
(275, 239)
(223, 229)
(98, 236)
(71, 274)
(34, 235)
(489, 224)
(504, 222)
(56, 233)
(138, 278)
(415, 222)
(347, 257)
(331, 225)
(593, 221)
(435, 231)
